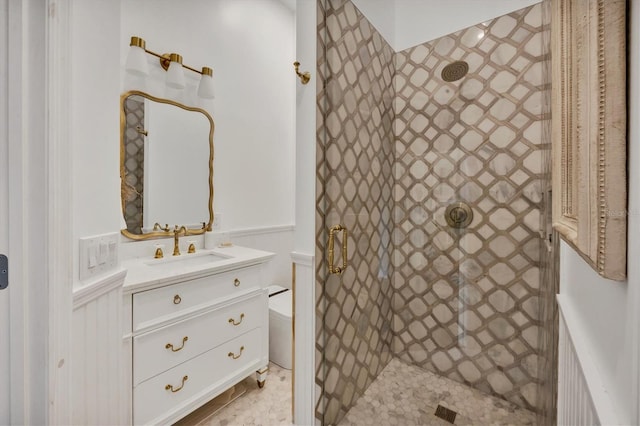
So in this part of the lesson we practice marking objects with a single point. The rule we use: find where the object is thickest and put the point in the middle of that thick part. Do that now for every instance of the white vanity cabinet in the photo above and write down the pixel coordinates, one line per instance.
(193, 334)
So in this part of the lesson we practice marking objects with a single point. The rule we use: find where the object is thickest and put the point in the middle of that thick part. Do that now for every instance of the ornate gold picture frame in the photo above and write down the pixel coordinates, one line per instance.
(589, 128)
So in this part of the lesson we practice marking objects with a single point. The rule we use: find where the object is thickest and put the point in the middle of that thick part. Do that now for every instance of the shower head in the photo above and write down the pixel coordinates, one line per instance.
(455, 71)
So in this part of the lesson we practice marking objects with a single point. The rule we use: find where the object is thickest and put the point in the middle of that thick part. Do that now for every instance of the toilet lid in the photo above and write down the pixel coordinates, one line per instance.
(282, 303)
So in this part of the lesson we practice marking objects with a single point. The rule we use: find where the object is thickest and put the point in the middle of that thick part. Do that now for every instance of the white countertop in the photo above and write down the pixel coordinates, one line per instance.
(147, 273)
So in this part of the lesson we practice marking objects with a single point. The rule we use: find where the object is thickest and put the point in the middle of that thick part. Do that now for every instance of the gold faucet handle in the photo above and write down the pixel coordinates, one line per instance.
(159, 254)
(192, 248)
(158, 227)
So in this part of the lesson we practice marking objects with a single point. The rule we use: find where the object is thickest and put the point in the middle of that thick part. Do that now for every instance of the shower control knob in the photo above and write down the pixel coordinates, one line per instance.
(458, 215)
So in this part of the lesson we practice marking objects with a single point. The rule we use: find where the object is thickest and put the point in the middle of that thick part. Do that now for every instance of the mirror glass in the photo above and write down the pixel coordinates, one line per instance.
(166, 166)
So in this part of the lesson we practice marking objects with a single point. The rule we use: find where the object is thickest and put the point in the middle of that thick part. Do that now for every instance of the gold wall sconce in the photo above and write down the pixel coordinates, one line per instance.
(172, 63)
(304, 76)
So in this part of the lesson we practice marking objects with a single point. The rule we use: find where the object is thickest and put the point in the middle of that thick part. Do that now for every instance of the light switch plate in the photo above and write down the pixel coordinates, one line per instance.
(98, 254)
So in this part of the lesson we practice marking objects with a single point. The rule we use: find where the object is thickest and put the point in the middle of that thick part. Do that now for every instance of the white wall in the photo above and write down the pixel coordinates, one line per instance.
(304, 242)
(95, 121)
(25, 236)
(608, 310)
(306, 40)
(250, 46)
(407, 23)
(5, 365)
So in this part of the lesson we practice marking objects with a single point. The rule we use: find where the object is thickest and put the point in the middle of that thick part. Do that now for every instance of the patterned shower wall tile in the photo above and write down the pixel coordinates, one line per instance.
(473, 137)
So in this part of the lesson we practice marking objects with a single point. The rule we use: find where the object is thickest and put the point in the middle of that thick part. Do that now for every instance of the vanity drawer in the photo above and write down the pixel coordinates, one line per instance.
(149, 307)
(154, 400)
(194, 336)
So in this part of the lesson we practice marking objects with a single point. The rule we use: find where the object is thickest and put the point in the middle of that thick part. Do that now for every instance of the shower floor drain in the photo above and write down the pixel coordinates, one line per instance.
(446, 414)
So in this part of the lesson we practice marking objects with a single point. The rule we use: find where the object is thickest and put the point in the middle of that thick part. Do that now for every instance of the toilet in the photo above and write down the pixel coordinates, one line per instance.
(280, 327)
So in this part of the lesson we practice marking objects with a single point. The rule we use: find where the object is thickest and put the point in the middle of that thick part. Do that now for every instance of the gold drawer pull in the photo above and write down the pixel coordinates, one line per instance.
(236, 282)
(232, 321)
(234, 356)
(177, 299)
(170, 387)
(170, 346)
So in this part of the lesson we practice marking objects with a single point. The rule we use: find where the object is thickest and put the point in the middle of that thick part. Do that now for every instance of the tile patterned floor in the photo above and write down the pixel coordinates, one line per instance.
(269, 406)
(402, 394)
(407, 395)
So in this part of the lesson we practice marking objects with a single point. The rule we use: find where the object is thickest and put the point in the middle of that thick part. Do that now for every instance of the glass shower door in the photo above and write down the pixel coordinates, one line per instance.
(355, 160)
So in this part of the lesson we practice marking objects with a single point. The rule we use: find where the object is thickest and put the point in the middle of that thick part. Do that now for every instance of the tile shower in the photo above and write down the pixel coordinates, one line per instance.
(472, 295)
(396, 145)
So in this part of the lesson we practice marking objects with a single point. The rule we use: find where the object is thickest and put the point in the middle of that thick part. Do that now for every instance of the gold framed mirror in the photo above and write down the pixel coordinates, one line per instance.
(166, 167)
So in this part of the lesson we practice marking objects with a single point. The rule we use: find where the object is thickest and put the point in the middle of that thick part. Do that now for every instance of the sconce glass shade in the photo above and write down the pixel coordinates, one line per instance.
(137, 61)
(205, 88)
(175, 73)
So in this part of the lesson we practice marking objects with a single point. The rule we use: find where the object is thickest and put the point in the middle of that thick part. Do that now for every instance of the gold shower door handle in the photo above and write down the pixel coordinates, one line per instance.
(332, 232)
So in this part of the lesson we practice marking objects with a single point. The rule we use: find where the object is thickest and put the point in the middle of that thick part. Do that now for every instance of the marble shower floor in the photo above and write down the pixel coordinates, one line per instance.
(407, 395)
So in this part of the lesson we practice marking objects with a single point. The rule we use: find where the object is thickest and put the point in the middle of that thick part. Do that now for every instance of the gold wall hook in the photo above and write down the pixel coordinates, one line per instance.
(304, 76)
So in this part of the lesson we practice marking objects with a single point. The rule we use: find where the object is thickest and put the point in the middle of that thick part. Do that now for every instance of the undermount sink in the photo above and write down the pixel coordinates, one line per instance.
(187, 260)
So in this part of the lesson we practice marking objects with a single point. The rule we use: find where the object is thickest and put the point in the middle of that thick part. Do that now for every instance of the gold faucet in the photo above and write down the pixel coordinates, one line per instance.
(176, 236)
